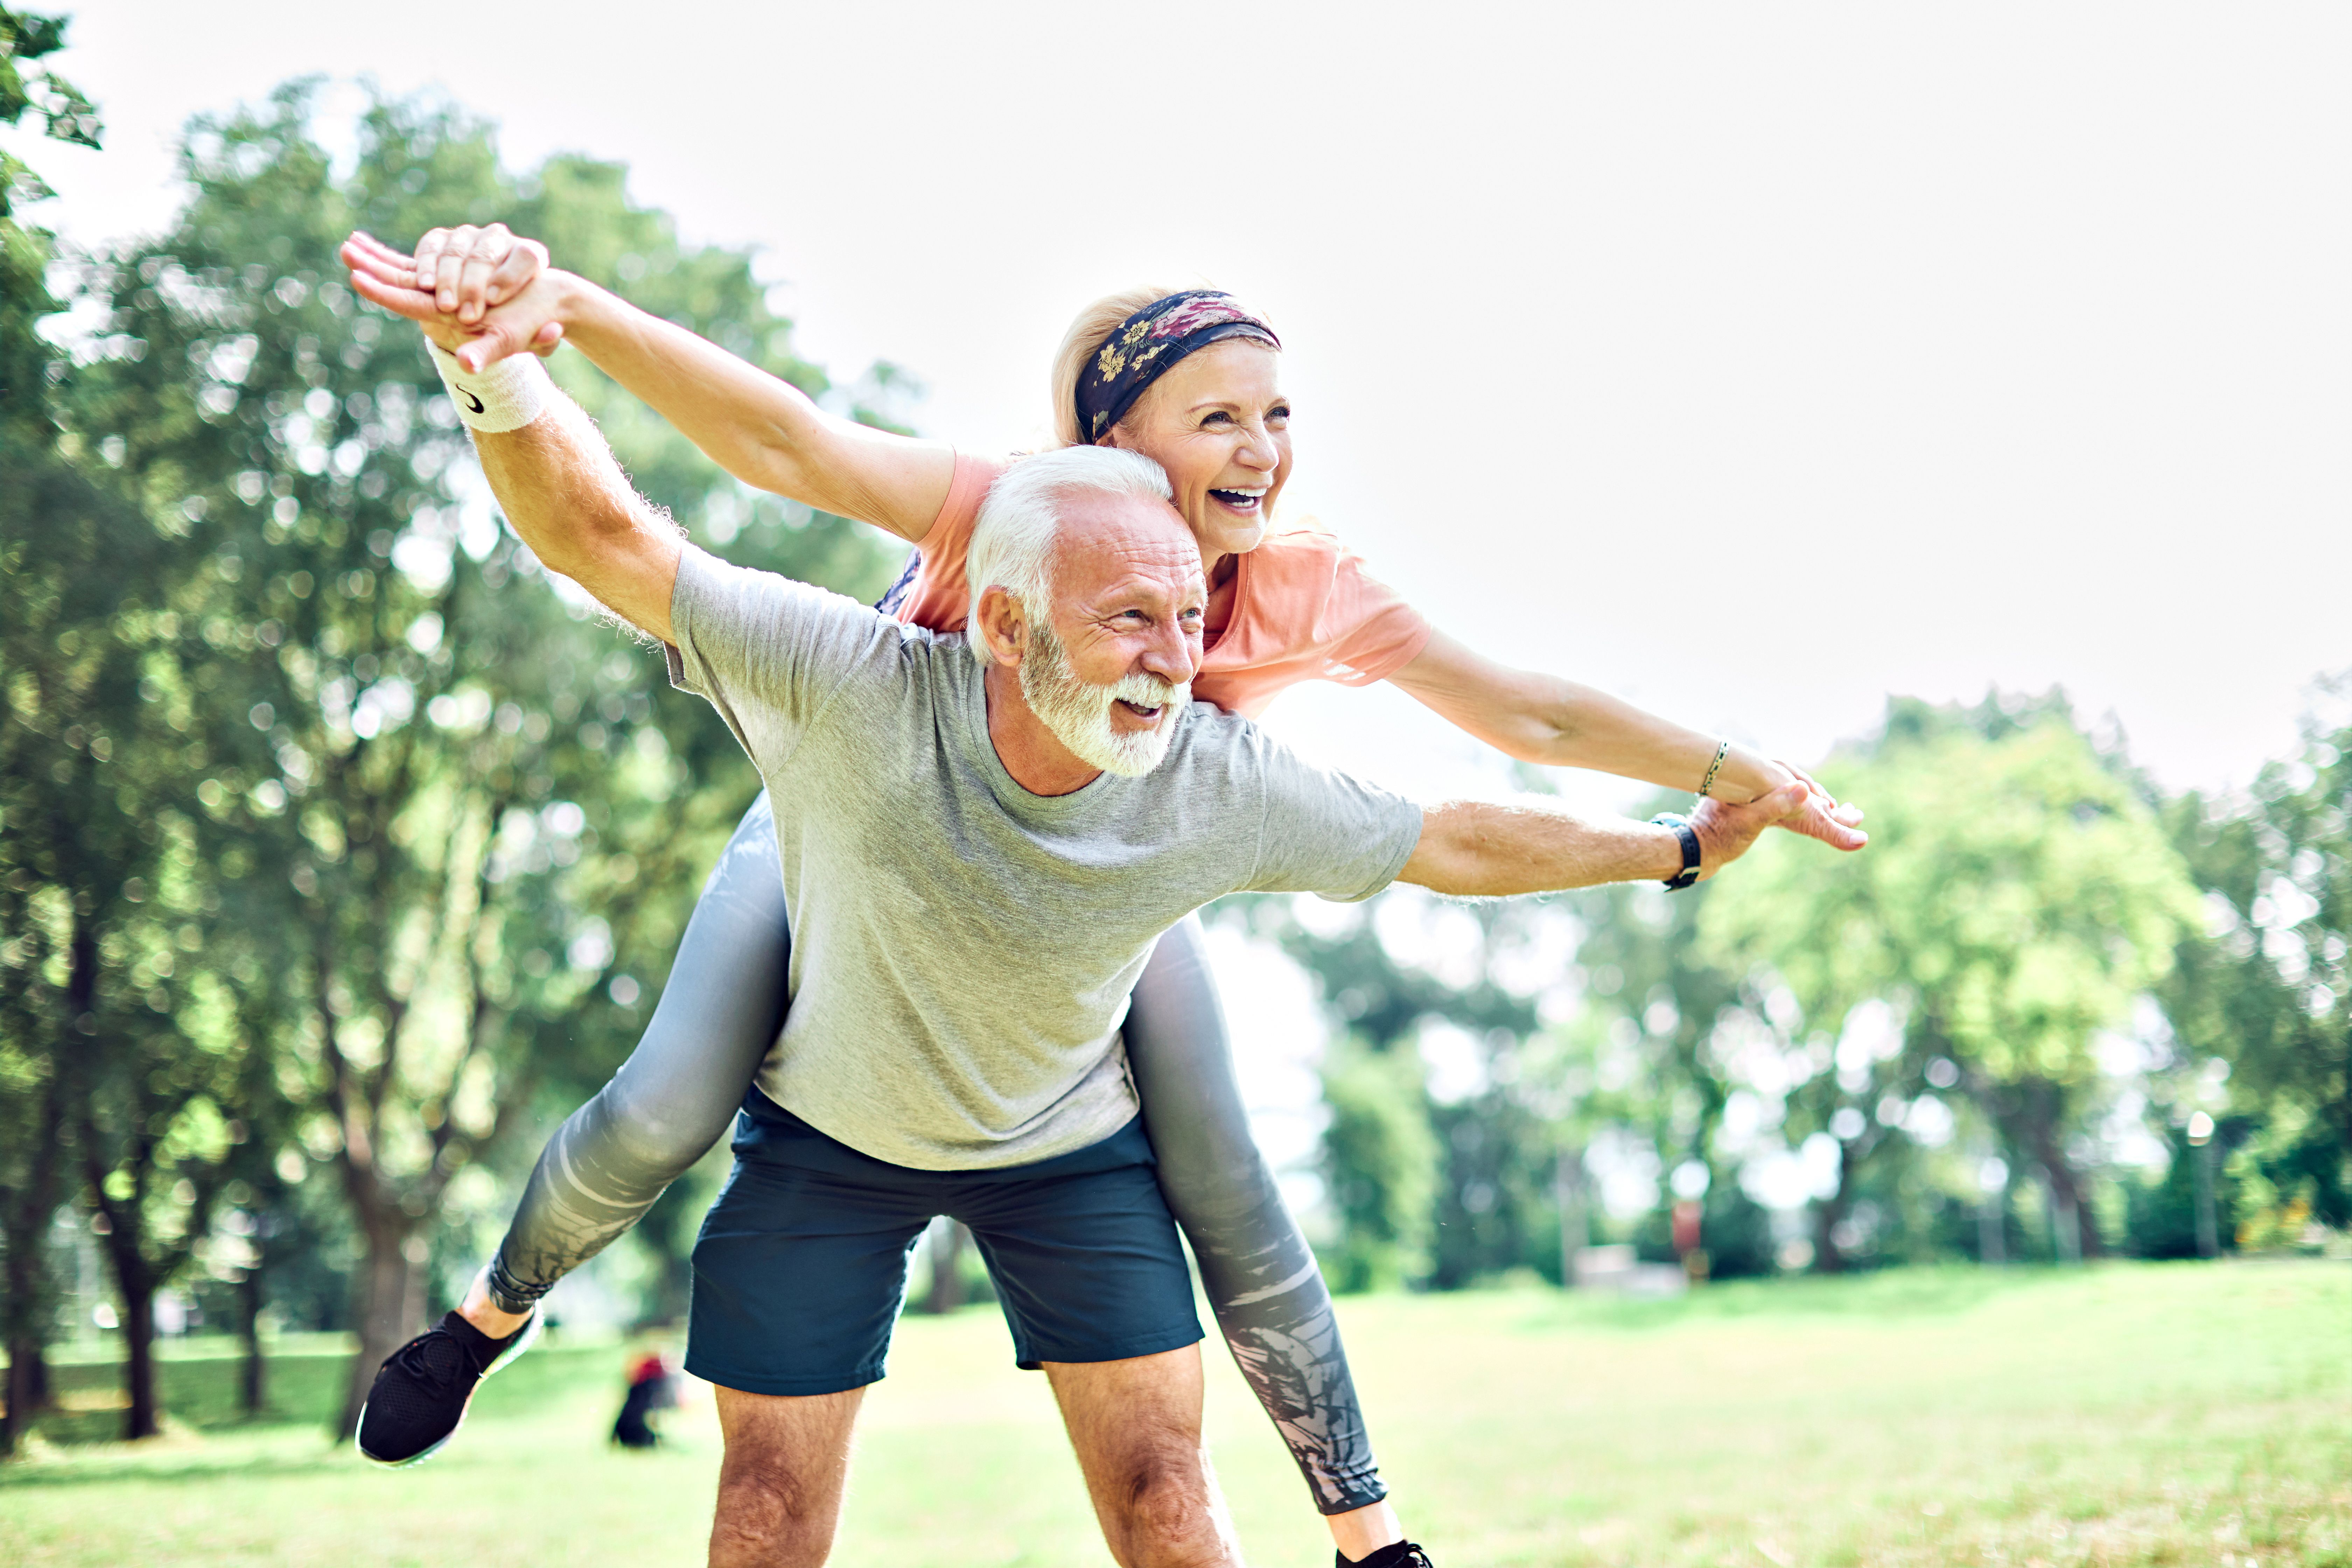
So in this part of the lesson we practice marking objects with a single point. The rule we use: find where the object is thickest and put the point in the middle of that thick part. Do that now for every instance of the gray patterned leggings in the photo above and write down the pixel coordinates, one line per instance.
(719, 1013)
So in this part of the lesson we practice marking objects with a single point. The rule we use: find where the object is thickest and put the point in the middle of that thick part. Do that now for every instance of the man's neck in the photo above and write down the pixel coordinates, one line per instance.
(1031, 752)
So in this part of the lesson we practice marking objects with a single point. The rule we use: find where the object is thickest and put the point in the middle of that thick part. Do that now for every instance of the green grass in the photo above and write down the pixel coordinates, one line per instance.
(2128, 1414)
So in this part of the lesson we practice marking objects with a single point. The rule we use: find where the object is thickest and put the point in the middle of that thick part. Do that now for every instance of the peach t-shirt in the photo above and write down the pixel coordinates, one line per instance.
(1304, 606)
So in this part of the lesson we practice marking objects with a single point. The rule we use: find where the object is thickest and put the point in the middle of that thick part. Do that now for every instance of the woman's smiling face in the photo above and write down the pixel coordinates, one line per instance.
(1221, 426)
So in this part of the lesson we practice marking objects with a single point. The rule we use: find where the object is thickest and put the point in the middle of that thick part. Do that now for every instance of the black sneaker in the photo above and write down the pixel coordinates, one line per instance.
(423, 1388)
(1403, 1554)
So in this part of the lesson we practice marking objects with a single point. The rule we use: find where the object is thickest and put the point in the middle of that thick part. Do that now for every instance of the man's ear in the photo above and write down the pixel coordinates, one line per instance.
(999, 622)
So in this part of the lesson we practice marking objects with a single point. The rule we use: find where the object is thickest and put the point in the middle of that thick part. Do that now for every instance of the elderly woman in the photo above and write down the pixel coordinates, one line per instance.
(1192, 380)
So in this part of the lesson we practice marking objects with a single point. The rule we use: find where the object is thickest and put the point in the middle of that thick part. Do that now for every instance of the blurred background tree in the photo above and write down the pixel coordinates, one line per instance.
(2017, 898)
(337, 836)
(2261, 1000)
(2040, 972)
(53, 889)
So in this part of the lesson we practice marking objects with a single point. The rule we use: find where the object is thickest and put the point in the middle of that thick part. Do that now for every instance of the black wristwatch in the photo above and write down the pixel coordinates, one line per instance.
(1681, 824)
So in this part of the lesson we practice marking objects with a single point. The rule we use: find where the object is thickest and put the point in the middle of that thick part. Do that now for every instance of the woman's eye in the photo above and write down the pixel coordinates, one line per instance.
(1219, 418)
(1279, 410)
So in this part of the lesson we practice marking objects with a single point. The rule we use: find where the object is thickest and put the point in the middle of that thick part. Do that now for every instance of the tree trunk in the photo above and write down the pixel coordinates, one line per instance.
(1992, 1223)
(29, 1391)
(134, 1288)
(1829, 1214)
(26, 1294)
(387, 1305)
(24, 1291)
(139, 1359)
(2033, 1114)
(946, 1293)
(1575, 1223)
(254, 1383)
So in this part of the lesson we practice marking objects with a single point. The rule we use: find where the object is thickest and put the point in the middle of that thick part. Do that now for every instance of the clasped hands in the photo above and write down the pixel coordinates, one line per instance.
(481, 292)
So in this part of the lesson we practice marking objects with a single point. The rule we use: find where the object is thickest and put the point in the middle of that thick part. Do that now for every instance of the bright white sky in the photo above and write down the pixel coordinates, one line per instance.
(1752, 361)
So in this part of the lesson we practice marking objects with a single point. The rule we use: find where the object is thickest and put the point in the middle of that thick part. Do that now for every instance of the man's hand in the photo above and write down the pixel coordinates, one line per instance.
(529, 320)
(1727, 831)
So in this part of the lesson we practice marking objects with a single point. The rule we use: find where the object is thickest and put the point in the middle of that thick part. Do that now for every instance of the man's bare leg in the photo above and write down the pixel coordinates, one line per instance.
(1136, 1425)
(781, 1482)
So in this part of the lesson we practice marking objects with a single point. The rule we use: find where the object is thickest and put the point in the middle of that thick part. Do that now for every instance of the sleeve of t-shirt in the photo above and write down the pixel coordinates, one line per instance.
(1382, 633)
(768, 652)
(1327, 832)
(940, 595)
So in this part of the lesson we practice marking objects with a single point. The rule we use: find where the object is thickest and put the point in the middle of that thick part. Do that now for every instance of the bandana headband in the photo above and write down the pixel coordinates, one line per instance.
(1153, 342)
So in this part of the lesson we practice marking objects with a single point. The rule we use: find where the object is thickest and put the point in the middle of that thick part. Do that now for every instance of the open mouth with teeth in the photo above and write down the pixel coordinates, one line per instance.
(1139, 712)
(1247, 502)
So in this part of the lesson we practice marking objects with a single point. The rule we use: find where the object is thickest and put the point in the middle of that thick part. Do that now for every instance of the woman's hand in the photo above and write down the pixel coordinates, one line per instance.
(470, 269)
(532, 318)
(1821, 817)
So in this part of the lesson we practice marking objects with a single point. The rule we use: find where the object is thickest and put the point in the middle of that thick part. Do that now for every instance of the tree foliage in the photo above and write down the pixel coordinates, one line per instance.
(334, 820)
(2016, 899)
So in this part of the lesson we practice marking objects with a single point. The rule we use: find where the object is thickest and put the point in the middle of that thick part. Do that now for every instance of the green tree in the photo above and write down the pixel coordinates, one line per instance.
(1379, 1164)
(49, 896)
(2016, 899)
(460, 825)
(2265, 987)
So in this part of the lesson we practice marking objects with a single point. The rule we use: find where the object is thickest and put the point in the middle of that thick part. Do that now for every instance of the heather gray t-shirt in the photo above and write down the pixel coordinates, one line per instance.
(962, 949)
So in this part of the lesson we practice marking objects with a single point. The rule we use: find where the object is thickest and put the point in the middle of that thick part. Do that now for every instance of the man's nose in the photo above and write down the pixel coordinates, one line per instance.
(1173, 654)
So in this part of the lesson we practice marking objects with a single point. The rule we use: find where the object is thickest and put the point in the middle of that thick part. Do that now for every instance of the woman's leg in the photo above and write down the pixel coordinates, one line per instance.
(1261, 1276)
(719, 1015)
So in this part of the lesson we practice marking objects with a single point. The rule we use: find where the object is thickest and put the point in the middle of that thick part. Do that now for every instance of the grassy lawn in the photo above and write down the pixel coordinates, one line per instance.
(2179, 1413)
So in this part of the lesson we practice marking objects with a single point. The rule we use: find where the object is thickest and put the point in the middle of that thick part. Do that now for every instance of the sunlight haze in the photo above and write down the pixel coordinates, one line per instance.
(1751, 363)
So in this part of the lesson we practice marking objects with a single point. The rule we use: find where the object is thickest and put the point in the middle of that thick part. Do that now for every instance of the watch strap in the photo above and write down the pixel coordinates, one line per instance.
(1688, 837)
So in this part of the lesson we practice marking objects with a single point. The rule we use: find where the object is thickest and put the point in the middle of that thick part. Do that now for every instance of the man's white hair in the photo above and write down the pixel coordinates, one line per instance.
(1013, 538)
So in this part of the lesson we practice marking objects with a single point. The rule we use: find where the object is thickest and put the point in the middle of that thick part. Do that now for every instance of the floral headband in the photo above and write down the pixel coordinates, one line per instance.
(1153, 342)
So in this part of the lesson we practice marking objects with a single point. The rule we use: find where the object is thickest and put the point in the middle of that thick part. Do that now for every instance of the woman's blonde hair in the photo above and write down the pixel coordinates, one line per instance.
(1088, 333)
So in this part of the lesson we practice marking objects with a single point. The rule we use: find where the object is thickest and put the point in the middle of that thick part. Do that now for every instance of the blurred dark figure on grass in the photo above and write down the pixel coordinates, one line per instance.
(652, 1387)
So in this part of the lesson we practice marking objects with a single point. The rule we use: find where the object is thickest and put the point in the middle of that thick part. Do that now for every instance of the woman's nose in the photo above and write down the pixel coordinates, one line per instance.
(1257, 449)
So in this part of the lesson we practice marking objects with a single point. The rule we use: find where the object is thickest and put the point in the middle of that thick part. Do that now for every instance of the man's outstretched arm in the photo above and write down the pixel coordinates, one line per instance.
(761, 429)
(561, 488)
(1482, 850)
(563, 492)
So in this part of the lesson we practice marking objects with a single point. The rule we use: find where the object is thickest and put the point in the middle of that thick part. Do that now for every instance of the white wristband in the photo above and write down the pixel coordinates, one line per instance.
(506, 396)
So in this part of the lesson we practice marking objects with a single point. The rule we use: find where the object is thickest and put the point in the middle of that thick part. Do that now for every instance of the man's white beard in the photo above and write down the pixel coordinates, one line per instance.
(1078, 714)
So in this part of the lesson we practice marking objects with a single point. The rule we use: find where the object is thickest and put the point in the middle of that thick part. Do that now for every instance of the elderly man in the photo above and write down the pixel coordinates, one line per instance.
(983, 836)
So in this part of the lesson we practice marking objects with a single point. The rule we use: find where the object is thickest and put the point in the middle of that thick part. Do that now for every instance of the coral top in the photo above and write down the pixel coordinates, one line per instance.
(1304, 608)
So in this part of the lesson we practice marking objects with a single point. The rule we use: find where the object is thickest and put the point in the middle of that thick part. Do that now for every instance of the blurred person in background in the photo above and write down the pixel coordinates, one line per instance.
(653, 1388)
(1191, 379)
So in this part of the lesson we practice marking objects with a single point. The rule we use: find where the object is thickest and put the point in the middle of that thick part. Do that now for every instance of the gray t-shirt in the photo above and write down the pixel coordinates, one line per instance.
(962, 949)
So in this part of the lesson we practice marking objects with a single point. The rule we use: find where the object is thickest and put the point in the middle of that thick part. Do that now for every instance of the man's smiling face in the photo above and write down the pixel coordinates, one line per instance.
(1109, 671)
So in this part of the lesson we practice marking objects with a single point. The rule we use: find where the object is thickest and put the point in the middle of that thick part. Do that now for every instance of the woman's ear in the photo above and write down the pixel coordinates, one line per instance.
(997, 621)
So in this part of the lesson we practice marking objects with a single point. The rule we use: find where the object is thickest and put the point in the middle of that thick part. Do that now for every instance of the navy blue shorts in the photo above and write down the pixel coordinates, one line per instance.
(802, 1263)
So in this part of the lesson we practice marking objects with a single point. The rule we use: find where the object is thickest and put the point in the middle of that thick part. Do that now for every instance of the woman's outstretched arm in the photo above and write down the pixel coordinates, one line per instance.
(1546, 720)
(759, 427)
